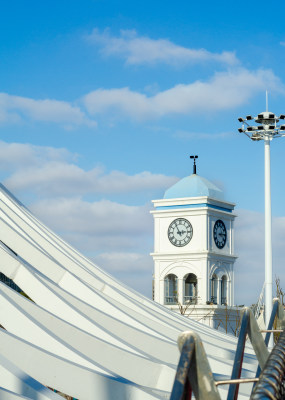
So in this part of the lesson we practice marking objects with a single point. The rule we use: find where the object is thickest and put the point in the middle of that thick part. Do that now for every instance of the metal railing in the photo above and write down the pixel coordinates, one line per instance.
(271, 383)
(259, 303)
(190, 299)
(194, 372)
(186, 300)
(170, 300)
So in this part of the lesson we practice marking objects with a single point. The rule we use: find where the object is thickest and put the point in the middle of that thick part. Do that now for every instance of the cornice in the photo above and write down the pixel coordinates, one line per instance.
(193, 201)
(188, 255)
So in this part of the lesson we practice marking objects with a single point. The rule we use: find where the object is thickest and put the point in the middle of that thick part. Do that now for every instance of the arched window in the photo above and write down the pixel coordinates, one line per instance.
(170, 289)
(224, 288)
(190, 289)
(214, 289)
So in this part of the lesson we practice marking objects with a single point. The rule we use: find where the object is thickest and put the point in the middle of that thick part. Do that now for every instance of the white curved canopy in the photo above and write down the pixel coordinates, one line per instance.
(87, 334)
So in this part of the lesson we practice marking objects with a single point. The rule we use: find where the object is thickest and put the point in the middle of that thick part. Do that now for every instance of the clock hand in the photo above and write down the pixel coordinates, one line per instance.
(178, 231)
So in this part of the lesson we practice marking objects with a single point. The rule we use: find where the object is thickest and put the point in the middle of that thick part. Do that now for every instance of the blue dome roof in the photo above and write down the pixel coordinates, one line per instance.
(193, 186)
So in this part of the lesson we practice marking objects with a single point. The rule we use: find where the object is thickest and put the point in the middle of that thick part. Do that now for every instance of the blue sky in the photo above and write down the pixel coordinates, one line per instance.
(102, 102)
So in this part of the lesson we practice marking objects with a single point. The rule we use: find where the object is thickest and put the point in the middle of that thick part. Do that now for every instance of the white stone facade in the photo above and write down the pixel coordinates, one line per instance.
(211, 266)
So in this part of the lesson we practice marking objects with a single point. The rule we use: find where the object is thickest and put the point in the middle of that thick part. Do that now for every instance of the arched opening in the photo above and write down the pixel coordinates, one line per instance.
(214, 289)
(190, 289)
(170, 289)
(224, 288)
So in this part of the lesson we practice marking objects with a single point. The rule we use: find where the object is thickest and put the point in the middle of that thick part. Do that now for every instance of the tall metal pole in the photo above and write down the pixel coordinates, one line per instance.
(268, 235)
(267, 129)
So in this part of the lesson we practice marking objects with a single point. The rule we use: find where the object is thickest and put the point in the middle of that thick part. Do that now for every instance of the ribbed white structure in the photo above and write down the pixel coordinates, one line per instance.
(87, 334)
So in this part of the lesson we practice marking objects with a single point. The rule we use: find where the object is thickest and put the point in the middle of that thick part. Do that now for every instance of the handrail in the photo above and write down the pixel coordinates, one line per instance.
(248, 327)
(190, 300)
(274, 312)
(194, 372)
(193, 368)
(271, 381)
(259, 303)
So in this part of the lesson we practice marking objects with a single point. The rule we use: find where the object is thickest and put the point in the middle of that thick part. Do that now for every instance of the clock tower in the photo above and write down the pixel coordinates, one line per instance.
(194, 250)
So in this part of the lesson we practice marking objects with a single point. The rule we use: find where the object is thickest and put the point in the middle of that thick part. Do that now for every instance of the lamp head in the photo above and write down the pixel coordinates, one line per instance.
(255, 137)
(266, 118)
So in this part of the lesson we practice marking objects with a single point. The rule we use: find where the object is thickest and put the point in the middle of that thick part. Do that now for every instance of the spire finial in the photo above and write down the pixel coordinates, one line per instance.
(194, 165)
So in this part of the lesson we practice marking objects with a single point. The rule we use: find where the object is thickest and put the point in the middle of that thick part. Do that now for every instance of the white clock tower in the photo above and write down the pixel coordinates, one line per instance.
(194, 250)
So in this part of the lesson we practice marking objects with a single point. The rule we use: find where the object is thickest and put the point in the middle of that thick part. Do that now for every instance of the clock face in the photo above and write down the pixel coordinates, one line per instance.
(180, 232)
(220, 234)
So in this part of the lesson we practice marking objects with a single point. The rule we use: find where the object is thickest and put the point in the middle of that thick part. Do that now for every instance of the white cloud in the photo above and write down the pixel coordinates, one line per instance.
(100, 217)
(225, 90)
(103, 226)
(58, 178)
(144, 50)
(134, 269)
(18, 156)
(249, 275)
(53, 172)
(124, 262)
(15, 109)
(117, 237)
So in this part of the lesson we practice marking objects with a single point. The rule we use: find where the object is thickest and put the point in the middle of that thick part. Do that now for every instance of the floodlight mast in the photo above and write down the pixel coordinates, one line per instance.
(267, 130)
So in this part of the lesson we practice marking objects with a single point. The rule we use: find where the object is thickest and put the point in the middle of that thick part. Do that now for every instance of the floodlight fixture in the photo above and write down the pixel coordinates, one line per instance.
(248, 117)
(282, 116)
(255, 136)
(267, 126)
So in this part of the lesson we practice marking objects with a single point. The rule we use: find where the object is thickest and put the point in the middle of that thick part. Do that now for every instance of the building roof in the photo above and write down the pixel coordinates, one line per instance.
(193, 186)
